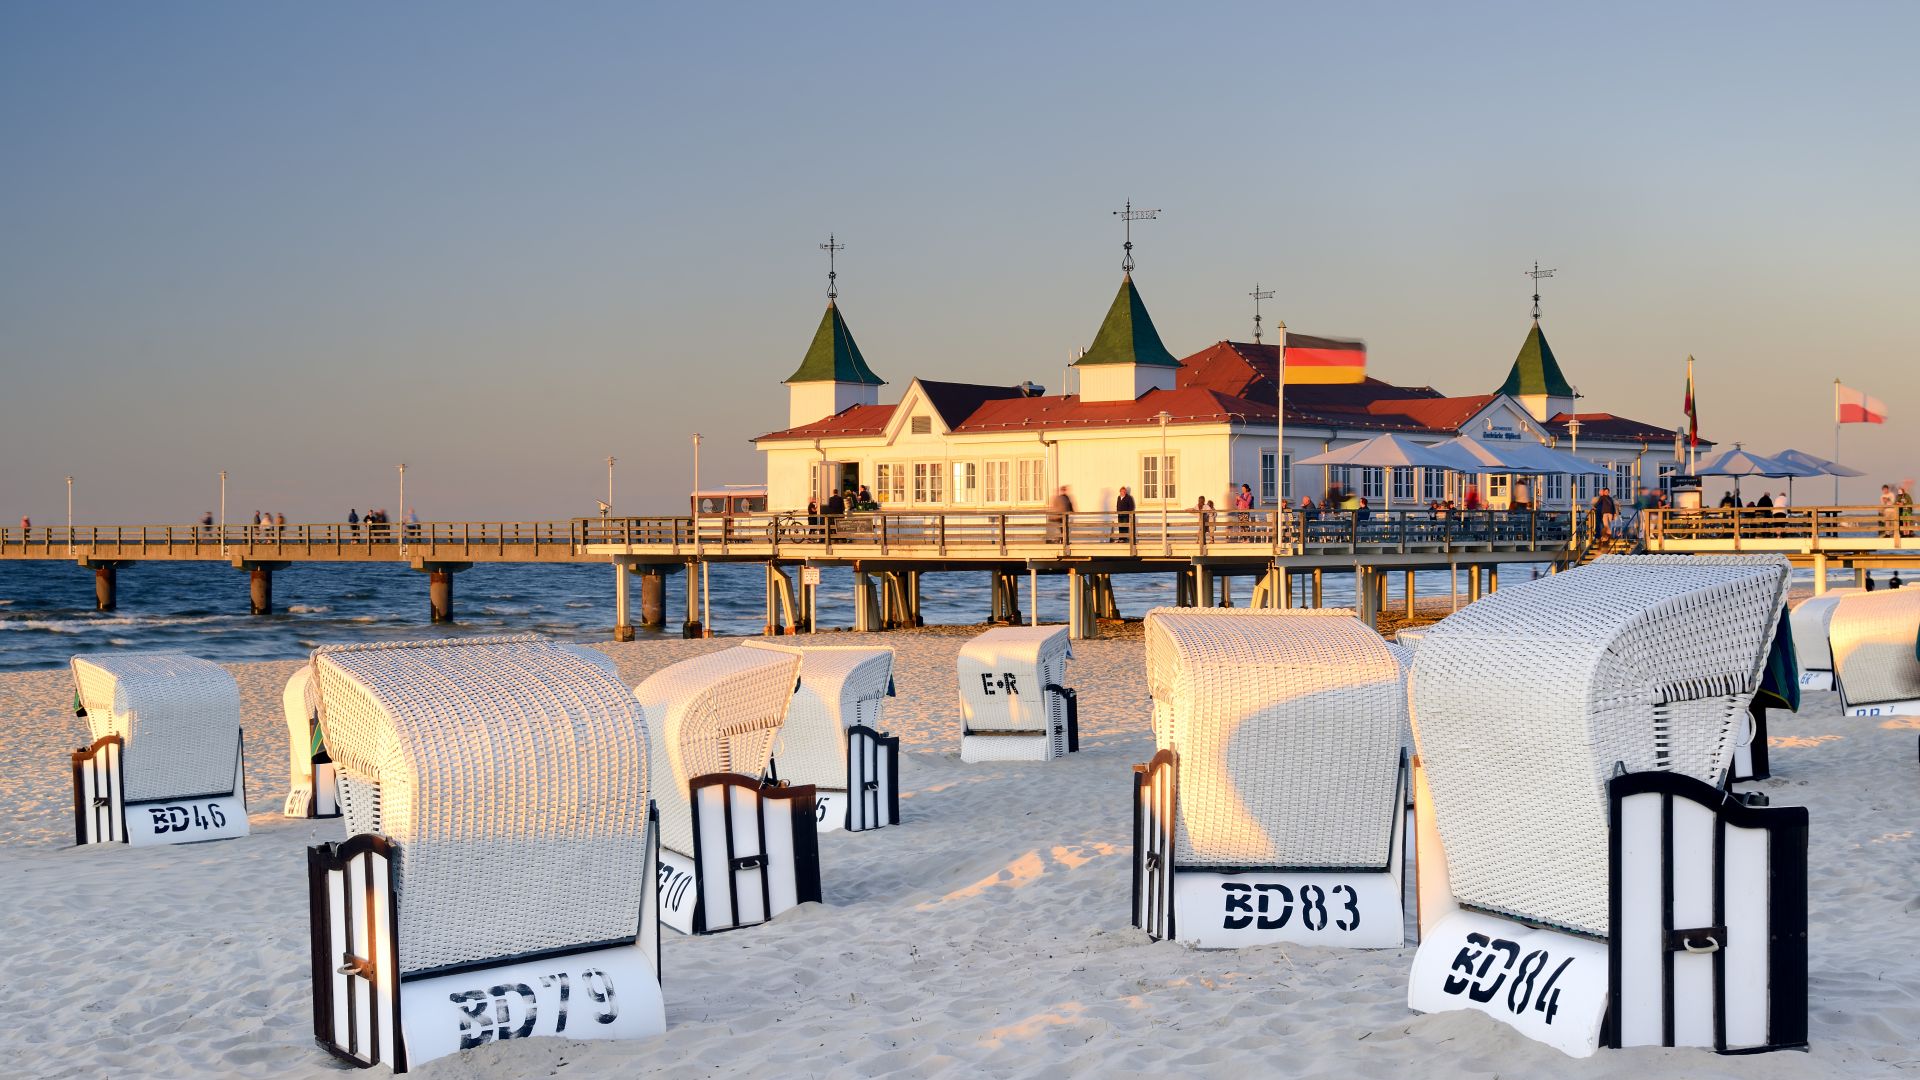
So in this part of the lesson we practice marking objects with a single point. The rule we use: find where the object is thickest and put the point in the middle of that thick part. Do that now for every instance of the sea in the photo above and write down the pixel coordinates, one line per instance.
(47, 608)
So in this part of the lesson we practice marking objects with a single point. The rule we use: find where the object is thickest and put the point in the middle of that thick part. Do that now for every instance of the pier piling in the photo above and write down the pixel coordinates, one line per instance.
(622, 603)
(653, 598)
(106, 586)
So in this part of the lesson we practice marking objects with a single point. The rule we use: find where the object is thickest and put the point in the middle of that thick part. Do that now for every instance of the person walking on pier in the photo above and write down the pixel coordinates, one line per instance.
(1604, 511)
(1057, 512)
(353, 523)
(1123, 511)
(206, 524)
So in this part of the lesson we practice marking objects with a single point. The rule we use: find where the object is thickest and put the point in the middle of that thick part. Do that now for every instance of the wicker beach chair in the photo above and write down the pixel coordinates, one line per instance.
(736, 849)
(832, 739)
(1014, 701)
(314, 790)
(1274, 809)
(1586, 876)
(500, 876)
(1810, 619)
(165, 765)
(1876, 652)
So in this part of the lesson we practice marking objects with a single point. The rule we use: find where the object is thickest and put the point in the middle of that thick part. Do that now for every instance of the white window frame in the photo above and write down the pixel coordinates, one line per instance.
(1030, 476)
(929, 482)
(1403, 483)
(1150, 471)
(996, 482)
(1556, 487)
(1372, 482)
(1267, 494)
(966, 483)
(1433, 485)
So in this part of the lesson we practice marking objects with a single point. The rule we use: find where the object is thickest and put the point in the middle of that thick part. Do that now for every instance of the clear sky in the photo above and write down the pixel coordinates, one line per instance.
(305, 242)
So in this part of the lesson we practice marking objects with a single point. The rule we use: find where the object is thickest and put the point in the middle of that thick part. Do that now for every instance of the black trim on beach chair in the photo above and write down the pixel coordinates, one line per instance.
(99, 819)
(1154, 789)
(1072, 701)
(760, 798)
(873, 779)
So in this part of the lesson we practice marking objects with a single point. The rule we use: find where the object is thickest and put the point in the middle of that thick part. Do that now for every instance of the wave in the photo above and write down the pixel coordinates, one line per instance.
(307, 609)
(85, 625)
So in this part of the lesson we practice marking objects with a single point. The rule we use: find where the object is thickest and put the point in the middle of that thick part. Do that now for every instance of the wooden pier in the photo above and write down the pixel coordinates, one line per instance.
(1825, 538)
(886, 551)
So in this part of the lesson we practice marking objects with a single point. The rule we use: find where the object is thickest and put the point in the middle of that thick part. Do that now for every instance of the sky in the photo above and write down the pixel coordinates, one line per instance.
(499, 243)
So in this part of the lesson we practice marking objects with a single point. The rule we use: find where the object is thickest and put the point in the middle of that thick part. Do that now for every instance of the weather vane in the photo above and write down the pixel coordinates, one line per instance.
(830, 247)
(1258, 295)
(1128, 217)
(1536, 274)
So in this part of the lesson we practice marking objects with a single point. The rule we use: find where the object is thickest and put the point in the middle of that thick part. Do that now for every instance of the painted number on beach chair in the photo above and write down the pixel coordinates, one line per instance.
(1478, 979)
(1269, 906)
(1005, 681)
(510, 1010)
(675, 885)
(189, 818)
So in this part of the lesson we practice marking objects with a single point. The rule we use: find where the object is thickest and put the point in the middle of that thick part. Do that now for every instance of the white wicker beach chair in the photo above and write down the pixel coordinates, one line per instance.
(165, 765)
(832, 739)
(1810, 619)
(1586, 877)
(500, 876)
(736, 850)
(1876, 652)
(1014, 701)
(1274, 809)
(314, 791)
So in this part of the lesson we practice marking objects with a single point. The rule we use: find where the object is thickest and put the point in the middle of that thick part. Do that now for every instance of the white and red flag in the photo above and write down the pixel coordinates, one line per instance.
(1850, 406)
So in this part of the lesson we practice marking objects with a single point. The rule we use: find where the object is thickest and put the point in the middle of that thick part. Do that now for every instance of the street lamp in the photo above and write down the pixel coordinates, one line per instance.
(223, 512)
(1166, 542)
(1573, 430)
(610, 461)
(403, 490)
(69, 515)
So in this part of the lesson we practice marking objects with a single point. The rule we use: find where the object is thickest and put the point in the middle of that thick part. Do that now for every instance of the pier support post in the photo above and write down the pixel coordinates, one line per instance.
(1473, 583)
(106, 586)
(440, 587)
(1316, 587)
(1183, 589)
(866, 614)
(653, 598)
(260, 590)
(1819, 575)
(1493, 578)
(1411, 612)
(1081, 624)
(622, 603)
(1366, 597)
(692, 628)
(1286, 590)
(913, 596)
(1203, 585)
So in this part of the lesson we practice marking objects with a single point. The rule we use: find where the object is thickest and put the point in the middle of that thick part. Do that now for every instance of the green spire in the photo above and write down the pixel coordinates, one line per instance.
(833, 357)
(1535, 371)
(1127, 335)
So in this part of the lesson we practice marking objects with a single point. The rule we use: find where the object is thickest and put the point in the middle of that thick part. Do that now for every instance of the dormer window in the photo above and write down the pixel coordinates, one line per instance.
(922, 425)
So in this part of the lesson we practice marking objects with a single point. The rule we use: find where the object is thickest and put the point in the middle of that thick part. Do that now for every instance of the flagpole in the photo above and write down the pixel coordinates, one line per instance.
(1836, 440)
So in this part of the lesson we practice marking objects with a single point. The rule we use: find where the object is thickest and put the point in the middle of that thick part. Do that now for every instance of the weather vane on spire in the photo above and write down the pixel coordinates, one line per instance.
(830, 247)
(1258, 295)
(1128, 217)
(1536, 274)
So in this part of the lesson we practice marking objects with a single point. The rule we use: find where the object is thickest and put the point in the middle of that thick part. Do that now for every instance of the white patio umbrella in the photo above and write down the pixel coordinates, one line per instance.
(1804, 464)
(1738, 462)
(1383, 452)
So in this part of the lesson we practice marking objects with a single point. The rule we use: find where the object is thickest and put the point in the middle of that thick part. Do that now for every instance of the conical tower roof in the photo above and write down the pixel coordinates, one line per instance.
(1535, 371)
(833, 356)
(1127, 335)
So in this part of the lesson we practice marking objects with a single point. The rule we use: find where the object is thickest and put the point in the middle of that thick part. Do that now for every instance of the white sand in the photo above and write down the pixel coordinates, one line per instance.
(986, 935)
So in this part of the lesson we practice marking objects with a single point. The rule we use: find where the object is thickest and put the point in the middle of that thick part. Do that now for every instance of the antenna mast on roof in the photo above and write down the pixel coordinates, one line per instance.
(1258, 295)
(1536, 274)
(1127, 218)
(830, 247)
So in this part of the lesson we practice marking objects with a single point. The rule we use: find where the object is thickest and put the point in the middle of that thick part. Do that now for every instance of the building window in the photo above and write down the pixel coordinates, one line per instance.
(966, 482)
(1623, 479)
(1497, 487)
(889, 483)
(929, 482)
(1336, 477)
(1556, 485)
(1433, 485)
(1402, 484)
(1154, 470)
(1267, 477)
(1372, 483)
(1033, 480)
(922, 425)
(1667, 471)
(998, 480)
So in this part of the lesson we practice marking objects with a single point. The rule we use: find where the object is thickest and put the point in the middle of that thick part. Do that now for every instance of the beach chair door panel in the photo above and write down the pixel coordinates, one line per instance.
(755, 850)
(873, 779)
(1153, 816)
(99, 802)
(356, 1010)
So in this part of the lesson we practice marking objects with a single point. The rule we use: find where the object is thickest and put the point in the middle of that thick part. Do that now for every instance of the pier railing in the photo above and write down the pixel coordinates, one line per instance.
(1792, 530)
(1015, 534)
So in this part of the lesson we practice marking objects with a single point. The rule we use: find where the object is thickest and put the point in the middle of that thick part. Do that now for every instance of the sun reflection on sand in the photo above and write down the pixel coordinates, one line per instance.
(1026, 870)
(1800, 742)
(1073, 1012)
(1901, 723)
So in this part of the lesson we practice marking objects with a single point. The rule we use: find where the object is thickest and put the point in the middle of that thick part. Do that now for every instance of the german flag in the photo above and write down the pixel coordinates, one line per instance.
(1324, 360)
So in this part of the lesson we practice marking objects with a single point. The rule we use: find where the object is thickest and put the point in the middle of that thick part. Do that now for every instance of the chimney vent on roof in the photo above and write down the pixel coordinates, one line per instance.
(1032, 389)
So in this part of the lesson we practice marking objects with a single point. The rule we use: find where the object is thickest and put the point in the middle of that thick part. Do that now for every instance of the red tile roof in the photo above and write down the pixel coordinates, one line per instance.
(1185, 406)
(1602, 425)
(850, 422)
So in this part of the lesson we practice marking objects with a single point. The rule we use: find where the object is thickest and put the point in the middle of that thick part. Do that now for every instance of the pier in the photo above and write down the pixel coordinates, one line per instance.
(1281, 554)
(1824, 538)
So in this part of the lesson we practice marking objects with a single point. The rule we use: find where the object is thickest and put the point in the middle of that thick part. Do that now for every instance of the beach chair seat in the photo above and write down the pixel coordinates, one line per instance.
(1875, 638)
(1587, 877)
(736, 849)
(314, 789)
(166, 764)
(1014, 701)
(500, 873)
(832, 739)
(1274, 807)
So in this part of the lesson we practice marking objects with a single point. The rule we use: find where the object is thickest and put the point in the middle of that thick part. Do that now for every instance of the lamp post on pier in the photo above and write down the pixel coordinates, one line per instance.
(1573, 430)
(223, 513)
(610, 461)
(69, 515)
(1166, 542)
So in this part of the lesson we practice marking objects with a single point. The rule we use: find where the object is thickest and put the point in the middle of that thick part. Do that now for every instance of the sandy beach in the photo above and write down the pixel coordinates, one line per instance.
(986, 935)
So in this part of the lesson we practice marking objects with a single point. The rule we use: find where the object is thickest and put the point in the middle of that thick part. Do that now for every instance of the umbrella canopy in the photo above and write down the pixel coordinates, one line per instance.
(1465, 454)
(1547, 461)
(1384, 452)
(1820, 465)
(1737, 462)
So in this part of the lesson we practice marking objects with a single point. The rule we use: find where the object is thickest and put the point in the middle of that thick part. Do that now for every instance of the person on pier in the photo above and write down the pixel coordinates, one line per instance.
(1123, 511)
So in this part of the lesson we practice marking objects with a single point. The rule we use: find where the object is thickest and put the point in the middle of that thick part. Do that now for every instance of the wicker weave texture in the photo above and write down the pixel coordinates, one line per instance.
(511, 773)
(1875, 636)
(716, 713)
(1288, 725)
(1810, 620)
(178, 715)
(1034, 655)
(1523, 702)
(840, 686)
